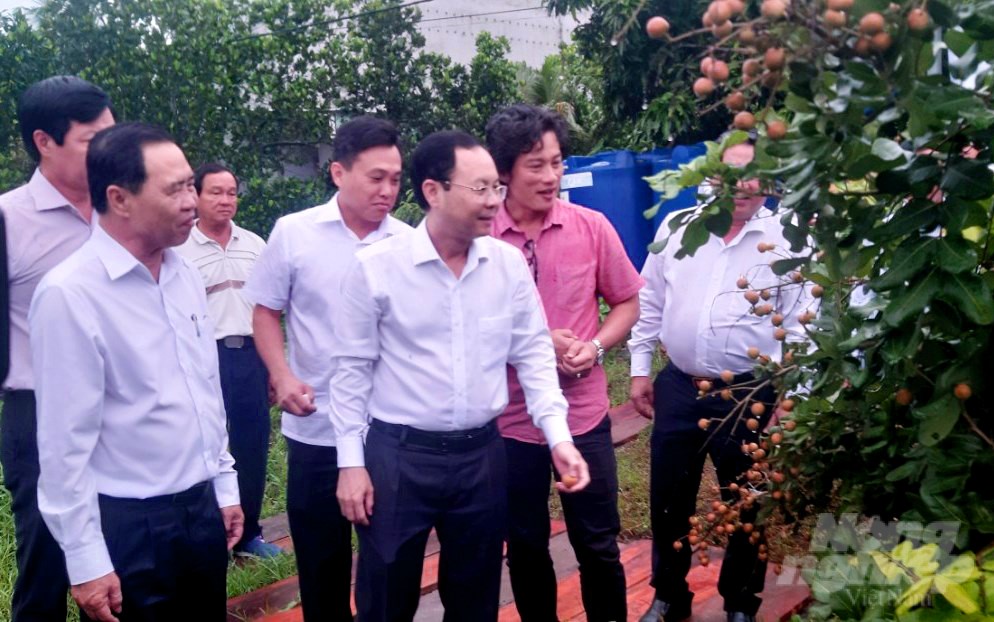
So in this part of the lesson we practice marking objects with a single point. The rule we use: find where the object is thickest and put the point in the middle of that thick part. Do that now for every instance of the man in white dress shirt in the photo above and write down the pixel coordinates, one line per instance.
(300, 273)
(695, 310)
(225, 254)
(429, 320)
(46, 220)
(136, 485)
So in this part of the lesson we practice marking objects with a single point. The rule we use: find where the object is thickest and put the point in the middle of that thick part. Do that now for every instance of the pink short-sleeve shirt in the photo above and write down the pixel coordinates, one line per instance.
(578, 257)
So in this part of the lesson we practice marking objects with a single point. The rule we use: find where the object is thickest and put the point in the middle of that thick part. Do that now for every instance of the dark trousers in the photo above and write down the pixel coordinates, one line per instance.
(422, 480)
(592, 524)
(42, 583)
(678, 449)
(246, 401)
(322, 537)
(170, 554)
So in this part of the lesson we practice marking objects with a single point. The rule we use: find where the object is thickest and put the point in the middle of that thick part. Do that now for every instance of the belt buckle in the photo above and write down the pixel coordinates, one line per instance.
(234, 341)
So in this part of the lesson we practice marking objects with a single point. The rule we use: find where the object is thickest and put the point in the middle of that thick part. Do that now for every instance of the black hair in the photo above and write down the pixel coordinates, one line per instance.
(435, 157)
(52, 104)
(210, 168)
(115, 158)
(360, 134)
(516, 130)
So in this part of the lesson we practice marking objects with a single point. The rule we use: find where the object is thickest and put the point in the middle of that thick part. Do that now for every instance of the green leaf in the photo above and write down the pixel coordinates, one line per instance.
(913, 300)
(904, 471)
(956, 255)
(781, 267)
(956, 595)
(971, 295)
(694, 237)
(908, 260)
(887, 150)
(939, 418)
(962, 569)
(968, 179)
(959, 42)
(914, 595)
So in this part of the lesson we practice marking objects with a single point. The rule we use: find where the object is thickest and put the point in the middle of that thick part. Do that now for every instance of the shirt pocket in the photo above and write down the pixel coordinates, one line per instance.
(576, 284)
(494, 341)
(206, 344)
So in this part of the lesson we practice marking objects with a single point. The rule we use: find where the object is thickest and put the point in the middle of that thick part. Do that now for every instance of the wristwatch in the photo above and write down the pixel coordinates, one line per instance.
(600, 350)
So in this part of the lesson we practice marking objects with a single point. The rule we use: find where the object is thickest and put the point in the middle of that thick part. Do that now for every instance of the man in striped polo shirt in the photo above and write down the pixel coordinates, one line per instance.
(225, 254)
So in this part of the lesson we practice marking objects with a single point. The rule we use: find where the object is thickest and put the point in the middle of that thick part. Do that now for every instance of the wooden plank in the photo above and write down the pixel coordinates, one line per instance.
(275, 527)
(626, 423)
(264, 601)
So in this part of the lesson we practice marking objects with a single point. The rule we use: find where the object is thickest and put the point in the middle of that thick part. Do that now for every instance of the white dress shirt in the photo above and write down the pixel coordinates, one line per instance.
(300, 272)
(129, 403)
(419, 347)
(693, 307)
(42, 230)
(225, 271)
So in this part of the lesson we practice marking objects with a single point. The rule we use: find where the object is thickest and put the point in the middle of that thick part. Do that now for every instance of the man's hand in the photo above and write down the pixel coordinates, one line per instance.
(100, 598)
(355, 494)
(642, 397)
(579, 358)
(234, 524)
(562, 339)
(294, 396)
(573, 472)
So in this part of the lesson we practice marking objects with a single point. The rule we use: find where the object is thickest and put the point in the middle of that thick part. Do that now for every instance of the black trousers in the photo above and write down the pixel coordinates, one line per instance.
(592, 524)
(42, 583)
(170, 553)
(322, 537)
(422, 480)
(246, 400)
(678, 449)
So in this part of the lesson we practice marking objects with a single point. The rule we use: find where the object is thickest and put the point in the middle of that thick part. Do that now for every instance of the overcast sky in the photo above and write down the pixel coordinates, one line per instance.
(10, 4)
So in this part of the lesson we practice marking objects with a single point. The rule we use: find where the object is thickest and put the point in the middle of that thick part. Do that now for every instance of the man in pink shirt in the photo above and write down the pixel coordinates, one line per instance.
(575, 256)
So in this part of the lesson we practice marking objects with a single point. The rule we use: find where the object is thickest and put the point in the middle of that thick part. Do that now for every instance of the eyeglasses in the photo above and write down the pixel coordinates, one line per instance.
(531, 258)
(499, 190)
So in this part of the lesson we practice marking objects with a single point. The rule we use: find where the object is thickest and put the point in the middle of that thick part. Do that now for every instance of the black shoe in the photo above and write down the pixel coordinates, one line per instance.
(740, 616)
(662, 611)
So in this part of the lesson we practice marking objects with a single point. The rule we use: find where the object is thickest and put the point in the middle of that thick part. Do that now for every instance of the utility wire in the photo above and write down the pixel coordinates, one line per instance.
(343, 18)
(439, 19)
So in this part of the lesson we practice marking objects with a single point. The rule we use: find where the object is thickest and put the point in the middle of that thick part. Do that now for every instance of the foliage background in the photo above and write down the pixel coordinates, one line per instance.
(257, 84)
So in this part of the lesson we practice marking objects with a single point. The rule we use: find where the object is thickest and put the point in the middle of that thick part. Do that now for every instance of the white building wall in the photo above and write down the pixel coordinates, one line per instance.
(450, 27)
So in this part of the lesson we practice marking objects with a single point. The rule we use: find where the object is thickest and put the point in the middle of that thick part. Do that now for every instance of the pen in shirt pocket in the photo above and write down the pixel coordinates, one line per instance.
(196, 323)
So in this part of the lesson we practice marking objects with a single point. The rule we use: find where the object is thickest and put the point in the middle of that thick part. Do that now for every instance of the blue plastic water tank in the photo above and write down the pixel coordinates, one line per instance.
(612, 183)
(663, 159)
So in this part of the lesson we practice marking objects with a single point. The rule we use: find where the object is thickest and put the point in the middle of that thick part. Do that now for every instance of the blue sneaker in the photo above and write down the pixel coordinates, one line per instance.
(257, 547)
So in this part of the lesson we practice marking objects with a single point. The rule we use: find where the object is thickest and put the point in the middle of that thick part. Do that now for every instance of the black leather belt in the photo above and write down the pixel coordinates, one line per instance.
(236, 342)
(445, 442)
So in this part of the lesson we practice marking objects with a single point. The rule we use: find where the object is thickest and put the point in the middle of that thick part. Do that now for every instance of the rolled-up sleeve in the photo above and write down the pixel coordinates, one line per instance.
(357, 347)
(70, 410)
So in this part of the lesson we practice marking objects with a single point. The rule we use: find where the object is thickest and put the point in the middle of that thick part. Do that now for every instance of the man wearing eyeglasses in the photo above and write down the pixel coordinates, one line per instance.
(225, 254)
(430, 320)
(575, 258)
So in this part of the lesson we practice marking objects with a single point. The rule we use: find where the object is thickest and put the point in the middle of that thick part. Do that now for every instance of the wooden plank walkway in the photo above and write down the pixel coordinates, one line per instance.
(279, 602)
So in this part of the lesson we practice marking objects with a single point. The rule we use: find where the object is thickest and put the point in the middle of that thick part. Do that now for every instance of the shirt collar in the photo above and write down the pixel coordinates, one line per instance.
(46, 196)
(201, 238)
(332, 212)
(556, 216)
(424, 251)
(118, 261)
